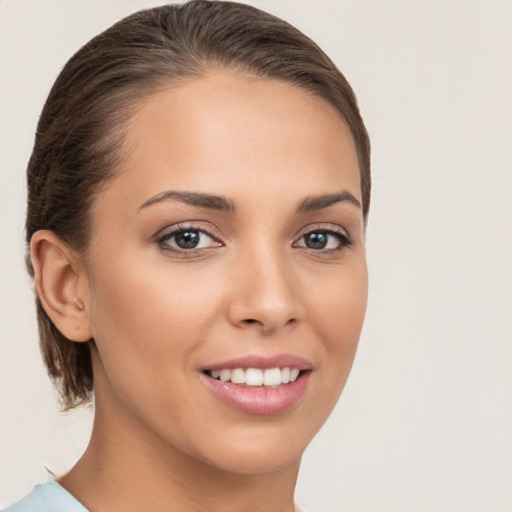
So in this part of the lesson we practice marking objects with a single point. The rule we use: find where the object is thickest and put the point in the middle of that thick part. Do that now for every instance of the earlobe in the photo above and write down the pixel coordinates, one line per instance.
(60, 285)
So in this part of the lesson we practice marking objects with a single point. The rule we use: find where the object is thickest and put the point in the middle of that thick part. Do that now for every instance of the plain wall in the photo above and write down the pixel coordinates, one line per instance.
(425, 421)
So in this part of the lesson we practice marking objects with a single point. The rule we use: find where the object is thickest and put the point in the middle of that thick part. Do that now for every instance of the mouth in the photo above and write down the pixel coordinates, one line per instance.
(257, 385)
(256, 377)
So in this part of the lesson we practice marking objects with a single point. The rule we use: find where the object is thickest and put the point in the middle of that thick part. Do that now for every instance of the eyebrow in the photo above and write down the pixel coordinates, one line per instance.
(309, 204)
(313, 203)
(194, 199)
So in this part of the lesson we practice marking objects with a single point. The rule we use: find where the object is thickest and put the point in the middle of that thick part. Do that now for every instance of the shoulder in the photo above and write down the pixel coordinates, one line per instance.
(47, 497)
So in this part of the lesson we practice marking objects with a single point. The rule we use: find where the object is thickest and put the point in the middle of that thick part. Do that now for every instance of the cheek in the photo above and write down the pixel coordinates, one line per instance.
(340, 311)
(341, 306)
(148, 300)
(146, 322)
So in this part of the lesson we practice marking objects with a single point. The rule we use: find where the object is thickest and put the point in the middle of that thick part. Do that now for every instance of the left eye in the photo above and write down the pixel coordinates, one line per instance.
(329, 240)
(184, 239)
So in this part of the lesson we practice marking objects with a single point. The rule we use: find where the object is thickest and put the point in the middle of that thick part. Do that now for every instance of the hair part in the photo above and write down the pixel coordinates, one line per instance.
(80, 135)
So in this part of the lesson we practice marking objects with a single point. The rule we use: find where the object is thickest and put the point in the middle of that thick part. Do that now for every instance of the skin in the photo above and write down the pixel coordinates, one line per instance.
(161, 439)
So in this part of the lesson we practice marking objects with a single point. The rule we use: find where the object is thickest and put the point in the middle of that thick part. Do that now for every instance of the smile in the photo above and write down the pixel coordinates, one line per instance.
(257, 377)
(259, 385)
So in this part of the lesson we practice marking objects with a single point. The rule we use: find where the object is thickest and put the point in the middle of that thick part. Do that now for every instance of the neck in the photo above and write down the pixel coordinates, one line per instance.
(127, 467)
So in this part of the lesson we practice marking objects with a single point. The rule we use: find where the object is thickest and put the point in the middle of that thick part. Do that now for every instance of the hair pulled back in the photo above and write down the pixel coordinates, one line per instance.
(79, 139)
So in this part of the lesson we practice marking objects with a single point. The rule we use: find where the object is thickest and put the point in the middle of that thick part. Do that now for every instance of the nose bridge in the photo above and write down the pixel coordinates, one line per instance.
(265, 295)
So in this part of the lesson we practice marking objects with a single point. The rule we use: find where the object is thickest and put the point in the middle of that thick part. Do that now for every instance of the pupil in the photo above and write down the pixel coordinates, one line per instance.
(187, 239)
(316, 240)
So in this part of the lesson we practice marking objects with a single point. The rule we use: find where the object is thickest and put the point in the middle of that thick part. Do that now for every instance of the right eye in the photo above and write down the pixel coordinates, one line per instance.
(187, 239)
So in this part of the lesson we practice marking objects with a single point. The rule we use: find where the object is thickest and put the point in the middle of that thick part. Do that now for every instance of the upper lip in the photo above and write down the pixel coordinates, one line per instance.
(263, 362)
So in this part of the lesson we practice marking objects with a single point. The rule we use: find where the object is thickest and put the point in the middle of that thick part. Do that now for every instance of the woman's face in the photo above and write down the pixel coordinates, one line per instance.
(229, 247)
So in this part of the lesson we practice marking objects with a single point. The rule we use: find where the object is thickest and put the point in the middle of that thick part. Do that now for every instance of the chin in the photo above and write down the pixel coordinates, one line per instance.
(257, 451)
(257, 464)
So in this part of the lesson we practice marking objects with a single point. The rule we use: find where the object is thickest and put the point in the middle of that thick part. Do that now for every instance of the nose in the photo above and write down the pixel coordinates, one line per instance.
(264, 295)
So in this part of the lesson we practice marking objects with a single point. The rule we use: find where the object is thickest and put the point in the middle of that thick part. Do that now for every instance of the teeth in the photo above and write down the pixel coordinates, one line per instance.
(256, 377)
(272, 377)
(238, 376)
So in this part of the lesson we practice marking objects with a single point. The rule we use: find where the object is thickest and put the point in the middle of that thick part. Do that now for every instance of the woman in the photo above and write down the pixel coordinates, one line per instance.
(198, 193)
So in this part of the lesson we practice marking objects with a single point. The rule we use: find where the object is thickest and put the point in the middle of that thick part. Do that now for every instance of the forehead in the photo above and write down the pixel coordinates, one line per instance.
(227, 133)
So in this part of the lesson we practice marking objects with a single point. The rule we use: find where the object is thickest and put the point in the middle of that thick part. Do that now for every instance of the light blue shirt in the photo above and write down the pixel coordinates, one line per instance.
(51, 497)
(47, 497)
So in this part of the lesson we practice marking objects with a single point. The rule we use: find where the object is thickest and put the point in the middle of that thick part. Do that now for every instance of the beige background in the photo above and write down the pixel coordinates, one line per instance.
(425, 422)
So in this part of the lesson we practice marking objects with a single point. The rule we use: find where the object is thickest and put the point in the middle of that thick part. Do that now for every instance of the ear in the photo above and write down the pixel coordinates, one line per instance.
(61, 285)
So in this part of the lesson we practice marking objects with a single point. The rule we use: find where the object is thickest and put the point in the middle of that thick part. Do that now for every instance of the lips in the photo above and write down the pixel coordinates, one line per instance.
(259, 385)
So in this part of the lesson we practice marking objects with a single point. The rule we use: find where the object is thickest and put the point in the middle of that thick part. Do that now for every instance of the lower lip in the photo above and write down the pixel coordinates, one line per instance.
(259, 400)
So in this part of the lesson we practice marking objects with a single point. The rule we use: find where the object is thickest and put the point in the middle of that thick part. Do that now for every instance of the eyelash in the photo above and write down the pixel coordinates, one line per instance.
(183, 228)
(340, 234)
(343, 238)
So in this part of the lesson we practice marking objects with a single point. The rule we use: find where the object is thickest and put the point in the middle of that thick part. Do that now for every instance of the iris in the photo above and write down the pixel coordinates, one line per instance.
(316, 240)
(187, 239)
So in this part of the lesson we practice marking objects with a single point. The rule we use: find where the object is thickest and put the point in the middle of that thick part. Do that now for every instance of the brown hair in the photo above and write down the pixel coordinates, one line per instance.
(79, 138)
